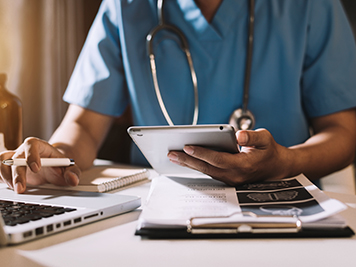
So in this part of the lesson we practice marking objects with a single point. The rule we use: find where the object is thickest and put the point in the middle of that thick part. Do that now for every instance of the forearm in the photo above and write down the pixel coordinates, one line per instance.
(81, 134)
(74, 142)
(330, 149)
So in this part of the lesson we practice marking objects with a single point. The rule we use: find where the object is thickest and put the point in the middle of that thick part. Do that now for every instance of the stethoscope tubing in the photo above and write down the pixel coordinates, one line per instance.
(241, 115)
(185, 48)
(249, 55)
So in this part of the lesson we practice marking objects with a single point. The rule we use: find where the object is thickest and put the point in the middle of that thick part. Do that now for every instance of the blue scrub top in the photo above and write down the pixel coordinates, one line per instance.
(304, 64)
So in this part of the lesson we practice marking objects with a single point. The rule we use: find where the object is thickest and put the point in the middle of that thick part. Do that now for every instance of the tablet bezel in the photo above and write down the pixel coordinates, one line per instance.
(156, 141)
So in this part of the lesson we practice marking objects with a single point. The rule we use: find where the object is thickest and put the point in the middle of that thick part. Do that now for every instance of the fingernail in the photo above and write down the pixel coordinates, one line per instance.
(18, 188)
(173, 156)
(189, 150)
(243, 138)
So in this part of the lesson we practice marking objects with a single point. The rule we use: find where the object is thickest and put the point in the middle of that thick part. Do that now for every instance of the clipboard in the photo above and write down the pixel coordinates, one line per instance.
(206, 208)
(268, 228)
(183, 234)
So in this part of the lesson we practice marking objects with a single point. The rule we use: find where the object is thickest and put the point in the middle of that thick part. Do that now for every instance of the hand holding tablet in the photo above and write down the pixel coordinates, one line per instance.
(156, 141)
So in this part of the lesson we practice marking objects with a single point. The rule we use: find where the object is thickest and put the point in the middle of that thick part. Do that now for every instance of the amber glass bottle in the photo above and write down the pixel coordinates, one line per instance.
(10, 116)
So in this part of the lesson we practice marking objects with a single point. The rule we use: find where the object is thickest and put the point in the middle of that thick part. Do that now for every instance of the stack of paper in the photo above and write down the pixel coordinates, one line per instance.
(207, 206)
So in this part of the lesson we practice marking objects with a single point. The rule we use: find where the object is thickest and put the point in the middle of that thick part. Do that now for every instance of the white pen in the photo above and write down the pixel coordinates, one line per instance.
(45, 162)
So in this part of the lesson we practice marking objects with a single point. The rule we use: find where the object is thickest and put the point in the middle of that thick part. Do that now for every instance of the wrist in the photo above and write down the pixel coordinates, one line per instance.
(83, 161)
(293, 162)
(63, 149)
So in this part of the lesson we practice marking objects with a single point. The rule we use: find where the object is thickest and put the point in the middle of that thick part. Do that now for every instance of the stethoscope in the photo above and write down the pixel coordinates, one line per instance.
(240, 119)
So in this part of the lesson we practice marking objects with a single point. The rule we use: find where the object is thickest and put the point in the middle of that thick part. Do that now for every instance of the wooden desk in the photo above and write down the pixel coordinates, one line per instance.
(112, 242)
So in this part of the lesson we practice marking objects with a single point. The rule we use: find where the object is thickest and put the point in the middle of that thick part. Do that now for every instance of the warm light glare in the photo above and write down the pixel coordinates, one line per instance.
(5, 36)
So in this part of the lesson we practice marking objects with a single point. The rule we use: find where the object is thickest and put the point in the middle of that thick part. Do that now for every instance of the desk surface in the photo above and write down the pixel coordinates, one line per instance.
(112, 242)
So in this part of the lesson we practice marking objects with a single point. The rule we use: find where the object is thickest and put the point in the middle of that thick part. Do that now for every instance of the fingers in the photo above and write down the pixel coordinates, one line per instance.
(182, 159)
(214, 158)
(19, 179)
(30, 150)
(212, 163)
(257, 147)
(71, 175)
(259, 138)
(33, 149)
(222, 173)
(14, 177)
(5, 171)
(36, 148)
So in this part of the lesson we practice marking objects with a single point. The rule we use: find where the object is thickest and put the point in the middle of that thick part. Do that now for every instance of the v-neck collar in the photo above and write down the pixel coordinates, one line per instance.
(221, 23)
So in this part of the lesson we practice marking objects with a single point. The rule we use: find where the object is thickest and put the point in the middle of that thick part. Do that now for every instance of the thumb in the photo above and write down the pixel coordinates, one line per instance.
(72, 175)
(257, 138)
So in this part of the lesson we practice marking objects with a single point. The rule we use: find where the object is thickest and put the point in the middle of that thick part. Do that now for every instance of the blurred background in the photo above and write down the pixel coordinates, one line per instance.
(40, 41)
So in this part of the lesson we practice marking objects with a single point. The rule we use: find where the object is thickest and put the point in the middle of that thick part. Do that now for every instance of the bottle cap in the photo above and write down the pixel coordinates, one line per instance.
(2, 143)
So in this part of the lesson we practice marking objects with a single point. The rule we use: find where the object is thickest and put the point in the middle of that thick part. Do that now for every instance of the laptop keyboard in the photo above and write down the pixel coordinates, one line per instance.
(15, 213)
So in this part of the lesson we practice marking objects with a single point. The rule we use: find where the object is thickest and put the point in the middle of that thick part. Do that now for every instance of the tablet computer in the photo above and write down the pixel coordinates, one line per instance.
(156, 141)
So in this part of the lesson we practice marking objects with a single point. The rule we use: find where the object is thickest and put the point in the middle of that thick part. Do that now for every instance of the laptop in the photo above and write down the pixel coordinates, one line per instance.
(41, 212)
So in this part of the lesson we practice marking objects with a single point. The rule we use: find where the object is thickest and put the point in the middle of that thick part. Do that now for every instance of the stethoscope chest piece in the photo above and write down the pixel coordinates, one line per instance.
(242, 120)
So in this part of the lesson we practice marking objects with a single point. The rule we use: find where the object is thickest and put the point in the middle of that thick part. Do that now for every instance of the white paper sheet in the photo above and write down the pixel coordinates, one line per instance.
(173, 201)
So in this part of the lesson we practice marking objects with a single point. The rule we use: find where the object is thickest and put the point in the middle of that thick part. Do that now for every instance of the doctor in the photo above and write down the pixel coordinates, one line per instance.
(301, 87)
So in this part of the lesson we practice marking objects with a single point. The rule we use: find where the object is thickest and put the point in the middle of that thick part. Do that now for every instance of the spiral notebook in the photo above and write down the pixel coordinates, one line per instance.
(106, 178)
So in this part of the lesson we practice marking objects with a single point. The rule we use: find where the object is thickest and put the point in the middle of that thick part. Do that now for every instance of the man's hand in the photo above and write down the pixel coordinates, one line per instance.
(32, 150)
(260, 158)
(330, 148)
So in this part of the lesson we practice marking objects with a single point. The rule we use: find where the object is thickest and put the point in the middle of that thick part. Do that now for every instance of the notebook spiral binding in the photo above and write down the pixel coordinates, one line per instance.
(123, 181)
